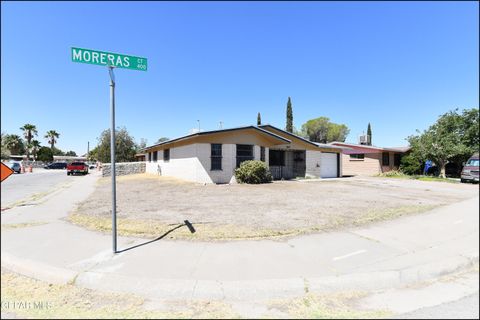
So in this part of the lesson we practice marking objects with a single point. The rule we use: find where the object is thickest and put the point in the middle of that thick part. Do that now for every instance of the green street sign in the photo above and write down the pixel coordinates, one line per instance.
(108, 59)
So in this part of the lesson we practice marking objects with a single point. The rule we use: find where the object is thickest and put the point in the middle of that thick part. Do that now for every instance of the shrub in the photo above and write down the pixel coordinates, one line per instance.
(393, 174)
(253, 171)
(411, 164)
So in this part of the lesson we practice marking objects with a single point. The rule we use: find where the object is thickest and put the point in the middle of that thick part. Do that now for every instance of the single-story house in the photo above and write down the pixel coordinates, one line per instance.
(140, 157)
(213, 156)
(361, 159)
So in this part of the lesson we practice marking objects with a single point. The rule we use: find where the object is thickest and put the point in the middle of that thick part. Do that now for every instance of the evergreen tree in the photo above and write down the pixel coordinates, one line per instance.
(289, 126)
(259, 119)
(369, 134)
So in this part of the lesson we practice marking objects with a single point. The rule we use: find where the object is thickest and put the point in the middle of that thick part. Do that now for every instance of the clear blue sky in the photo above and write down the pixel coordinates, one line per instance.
(398, 65)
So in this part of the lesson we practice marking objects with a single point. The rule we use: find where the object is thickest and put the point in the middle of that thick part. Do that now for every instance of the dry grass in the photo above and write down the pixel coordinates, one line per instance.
(70, 302)
(149, 206)
(328, 306)
(8, 226)
(212, 232)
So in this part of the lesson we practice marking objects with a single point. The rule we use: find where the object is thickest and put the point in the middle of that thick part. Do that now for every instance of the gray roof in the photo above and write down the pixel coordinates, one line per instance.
(201, 133)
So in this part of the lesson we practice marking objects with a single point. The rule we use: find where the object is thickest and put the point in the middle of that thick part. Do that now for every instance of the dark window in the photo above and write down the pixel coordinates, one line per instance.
(244, 153)
(276, 158)
(357, 156)
(155, 156)
(397, 157)
(385, 159)
(262, 154)
(166, 155)
(216, 156)
(149, 156)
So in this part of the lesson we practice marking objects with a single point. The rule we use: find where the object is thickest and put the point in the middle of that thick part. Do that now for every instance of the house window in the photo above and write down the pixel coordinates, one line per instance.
(276, 158)
(244, 153)
(216, 156)
(166, 155)
(155, 156)
(262, 154)
(397, 158)
(385, 159)
(149, 157)
(357, 156)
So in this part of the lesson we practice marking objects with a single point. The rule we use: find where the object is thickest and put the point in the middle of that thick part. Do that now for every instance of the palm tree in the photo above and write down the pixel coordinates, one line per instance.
(14, 144)
(29, 131)
(52, 137)
(35, 146)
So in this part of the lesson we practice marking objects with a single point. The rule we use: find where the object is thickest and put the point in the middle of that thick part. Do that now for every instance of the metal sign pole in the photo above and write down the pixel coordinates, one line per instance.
(112, 159)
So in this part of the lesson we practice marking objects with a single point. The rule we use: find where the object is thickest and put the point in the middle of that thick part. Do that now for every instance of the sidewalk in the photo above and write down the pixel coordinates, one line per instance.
(381, 256)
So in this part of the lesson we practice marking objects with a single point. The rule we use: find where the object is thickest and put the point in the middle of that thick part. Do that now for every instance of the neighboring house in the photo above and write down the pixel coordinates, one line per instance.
(140, 157)
(213, 156)
(369, 160)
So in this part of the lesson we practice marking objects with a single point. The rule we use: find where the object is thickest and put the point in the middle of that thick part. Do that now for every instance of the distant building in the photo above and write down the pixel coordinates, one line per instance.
(55, 158)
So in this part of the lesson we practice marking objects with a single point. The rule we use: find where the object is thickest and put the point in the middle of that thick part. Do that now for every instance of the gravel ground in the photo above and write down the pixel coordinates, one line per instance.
(276, 206)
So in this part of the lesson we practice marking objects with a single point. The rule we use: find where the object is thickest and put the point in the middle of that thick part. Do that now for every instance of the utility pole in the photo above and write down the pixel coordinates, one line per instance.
(221, 125)
(88, 149)
(198, 125)
(112, 158)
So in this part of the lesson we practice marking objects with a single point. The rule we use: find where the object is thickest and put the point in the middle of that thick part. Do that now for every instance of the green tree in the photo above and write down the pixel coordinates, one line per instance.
(45, 154)
(452, 138)
(93, 154)
(52, 137)
(29, 131)
(369, 135)
(141, 145)
(412, 162)
(34, 147)
(289, 126)
(162, 139)
(71, 153)
(57, 152)
(125, 147)
(259, 119)
(14, 144)
(5, 152)
(323, 131)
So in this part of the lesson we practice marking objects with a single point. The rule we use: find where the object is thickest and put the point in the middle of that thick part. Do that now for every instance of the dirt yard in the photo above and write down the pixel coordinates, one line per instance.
(149, 205)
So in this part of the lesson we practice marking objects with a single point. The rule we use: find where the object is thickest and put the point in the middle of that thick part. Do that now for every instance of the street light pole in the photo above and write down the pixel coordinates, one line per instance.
(112, 158)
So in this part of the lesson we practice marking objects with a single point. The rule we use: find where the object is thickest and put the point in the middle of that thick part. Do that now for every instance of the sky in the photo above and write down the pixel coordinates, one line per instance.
(397, 65)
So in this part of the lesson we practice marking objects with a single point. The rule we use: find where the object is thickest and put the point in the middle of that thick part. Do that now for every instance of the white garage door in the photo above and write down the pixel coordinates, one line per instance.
(328, 165)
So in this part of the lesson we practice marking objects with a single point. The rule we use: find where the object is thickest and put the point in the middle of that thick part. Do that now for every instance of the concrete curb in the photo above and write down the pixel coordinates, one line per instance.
(37, 270)
(268, 288)
(158, 288)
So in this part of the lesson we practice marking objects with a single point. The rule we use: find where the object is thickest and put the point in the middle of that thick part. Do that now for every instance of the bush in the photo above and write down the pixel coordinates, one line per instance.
(45, 154)
(411, 164)
(393, 174)
(253, 171)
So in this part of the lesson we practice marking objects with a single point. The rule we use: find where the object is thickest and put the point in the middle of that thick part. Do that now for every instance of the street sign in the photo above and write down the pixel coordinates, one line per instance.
(110, 59)
(5, 171)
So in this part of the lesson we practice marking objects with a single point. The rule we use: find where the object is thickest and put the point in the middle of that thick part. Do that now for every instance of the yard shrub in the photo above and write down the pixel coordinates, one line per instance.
(253, 171)
(394, 174)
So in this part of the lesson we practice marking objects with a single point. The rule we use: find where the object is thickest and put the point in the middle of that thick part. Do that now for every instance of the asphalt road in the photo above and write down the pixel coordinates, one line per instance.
(24, 185)
(465, 308)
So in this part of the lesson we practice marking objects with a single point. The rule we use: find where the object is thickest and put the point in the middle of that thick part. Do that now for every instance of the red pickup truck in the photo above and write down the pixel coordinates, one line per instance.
(77, 167)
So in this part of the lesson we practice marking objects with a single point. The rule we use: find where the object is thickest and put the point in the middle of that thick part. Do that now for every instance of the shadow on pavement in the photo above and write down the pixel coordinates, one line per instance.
(185, 224)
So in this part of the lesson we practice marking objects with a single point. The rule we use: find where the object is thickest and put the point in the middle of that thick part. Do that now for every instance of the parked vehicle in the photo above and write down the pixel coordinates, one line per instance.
(56, 165)
(16, 167)
(470, 169)
(77, 167)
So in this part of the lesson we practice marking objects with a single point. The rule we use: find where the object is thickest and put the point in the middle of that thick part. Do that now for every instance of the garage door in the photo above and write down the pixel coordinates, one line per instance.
(328, 165)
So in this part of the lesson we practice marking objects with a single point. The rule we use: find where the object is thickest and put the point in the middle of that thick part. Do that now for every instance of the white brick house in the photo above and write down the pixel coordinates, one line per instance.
(212, 156)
